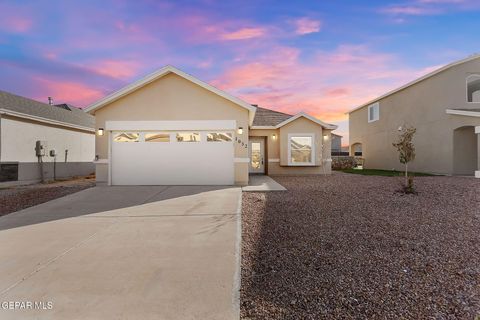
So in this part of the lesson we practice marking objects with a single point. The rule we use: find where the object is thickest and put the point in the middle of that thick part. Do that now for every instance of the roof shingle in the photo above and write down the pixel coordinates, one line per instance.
(60, 113)
(266, 117)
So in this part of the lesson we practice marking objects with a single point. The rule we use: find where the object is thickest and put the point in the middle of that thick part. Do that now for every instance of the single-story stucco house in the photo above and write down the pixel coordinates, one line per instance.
(43, 140)
(444, 107)
(170, 128)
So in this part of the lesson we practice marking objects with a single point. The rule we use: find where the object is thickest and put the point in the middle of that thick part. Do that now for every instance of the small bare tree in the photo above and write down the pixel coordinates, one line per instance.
(406, 151)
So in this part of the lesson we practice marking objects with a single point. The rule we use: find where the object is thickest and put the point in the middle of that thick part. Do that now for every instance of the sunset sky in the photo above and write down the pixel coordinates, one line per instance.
(323, 57)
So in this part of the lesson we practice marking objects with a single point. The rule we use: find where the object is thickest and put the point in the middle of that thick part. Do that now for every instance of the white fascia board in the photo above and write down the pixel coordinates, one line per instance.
(429, 75)
(170, 125)
(160, 73)
(463, 113)
(309, 117)
(263, 128)
(44, 120)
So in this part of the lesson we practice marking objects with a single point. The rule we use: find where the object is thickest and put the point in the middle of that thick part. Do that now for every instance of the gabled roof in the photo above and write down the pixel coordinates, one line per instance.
(279, 119)
(22, 107)
(267, 117)
(429, 75)
(159, 74)
(309, 117)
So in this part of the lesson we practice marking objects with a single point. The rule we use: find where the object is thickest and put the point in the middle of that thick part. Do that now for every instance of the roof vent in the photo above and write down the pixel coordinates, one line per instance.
(64, 106)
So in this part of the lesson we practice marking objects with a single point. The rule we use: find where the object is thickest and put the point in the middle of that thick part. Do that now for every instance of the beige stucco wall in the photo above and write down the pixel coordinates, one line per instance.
(174, 98)
(422, 106)
(277, 150)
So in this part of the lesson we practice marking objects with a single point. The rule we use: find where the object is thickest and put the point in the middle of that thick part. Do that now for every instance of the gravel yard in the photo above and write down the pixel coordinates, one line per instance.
(349, 247)
(17, 198)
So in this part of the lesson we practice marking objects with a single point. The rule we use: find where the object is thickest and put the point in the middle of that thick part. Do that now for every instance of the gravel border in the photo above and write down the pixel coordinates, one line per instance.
(351, 247)
(21, 197)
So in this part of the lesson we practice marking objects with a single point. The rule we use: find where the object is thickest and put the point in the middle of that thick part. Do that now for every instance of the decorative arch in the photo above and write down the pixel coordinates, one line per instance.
(356, 149)
(465, 151)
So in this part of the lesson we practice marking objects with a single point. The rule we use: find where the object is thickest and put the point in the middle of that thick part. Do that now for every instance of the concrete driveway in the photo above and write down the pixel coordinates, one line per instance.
(145, 252)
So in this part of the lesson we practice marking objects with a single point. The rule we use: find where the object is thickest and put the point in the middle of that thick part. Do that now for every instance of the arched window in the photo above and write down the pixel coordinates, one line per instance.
(473, 88)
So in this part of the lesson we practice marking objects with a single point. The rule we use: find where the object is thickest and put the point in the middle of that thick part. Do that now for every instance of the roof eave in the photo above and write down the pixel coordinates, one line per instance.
(45, 120)
(463, 113)
(411, 83)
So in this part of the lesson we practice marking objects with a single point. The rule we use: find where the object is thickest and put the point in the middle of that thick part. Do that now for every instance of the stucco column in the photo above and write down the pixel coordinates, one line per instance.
(477, 131)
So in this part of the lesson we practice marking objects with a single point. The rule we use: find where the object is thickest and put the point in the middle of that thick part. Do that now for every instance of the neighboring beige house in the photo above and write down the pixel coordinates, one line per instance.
(444, 107)
(336, 143)
(66, 135)
(170, 128)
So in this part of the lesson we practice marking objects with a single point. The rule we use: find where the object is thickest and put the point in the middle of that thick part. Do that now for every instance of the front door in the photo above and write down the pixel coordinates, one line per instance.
(257, 155)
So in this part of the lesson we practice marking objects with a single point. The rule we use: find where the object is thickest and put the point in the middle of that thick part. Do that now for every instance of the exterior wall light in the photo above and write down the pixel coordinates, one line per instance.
(240, 130)
(274, 136)
(100, 131)
(325, 137)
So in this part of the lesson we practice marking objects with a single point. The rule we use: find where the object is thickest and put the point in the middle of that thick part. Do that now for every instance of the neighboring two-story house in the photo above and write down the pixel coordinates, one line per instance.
(444, 107)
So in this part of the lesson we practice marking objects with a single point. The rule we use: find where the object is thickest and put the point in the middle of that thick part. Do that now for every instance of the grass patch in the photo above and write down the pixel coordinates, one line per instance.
(385, 173)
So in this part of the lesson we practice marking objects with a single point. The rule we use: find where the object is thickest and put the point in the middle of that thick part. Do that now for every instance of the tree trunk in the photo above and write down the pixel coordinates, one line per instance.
(406, 175)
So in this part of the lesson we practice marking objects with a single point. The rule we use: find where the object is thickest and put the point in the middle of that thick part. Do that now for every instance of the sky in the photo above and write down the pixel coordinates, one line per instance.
(322, 57)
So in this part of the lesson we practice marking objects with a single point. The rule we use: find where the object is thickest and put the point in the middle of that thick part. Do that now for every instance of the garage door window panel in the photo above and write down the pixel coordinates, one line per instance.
(188, 137)
(126, 137)
(219, 137)
(157, 137)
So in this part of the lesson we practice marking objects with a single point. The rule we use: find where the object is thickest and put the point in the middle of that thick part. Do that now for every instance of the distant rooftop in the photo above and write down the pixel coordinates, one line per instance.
(62, 112)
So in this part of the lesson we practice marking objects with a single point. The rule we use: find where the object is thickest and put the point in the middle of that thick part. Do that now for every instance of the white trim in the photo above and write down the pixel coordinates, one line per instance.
(463, 113)
(171, 125)
(295, 117)
(274, 160)
(101, 161)
(309, 117)
(159, 74)
(429, 75)
(263, 127)
(241, 160)
(301, 164)
(477, 129)
(110, 137)
(477, 174)
(45, 120)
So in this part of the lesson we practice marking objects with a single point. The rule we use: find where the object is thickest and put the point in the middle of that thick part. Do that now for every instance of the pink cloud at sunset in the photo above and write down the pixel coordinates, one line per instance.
(77, 94)
(16, 24)
(117, 68)
(306, 25)
(245, 33)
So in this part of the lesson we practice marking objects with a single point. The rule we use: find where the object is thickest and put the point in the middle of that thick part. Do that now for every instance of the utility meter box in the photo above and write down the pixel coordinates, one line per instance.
(53, 153)
(40, 148)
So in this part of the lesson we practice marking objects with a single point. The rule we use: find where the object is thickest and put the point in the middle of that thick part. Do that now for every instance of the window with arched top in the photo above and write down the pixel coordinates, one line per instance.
(473, 88)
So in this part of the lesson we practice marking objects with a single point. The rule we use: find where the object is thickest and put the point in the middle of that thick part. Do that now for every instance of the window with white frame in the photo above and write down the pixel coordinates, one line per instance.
(373, 112)
(301, 149)
(473, 88)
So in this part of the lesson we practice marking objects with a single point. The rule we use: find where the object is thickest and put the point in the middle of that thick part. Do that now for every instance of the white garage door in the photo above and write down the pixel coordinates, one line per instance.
(172, 158)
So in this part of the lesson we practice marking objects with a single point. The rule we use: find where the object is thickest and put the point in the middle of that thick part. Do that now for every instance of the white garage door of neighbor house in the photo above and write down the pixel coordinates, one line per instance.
(172, 158)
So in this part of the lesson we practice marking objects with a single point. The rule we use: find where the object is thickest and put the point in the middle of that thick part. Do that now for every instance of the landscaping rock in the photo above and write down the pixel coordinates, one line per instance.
(351, 247)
